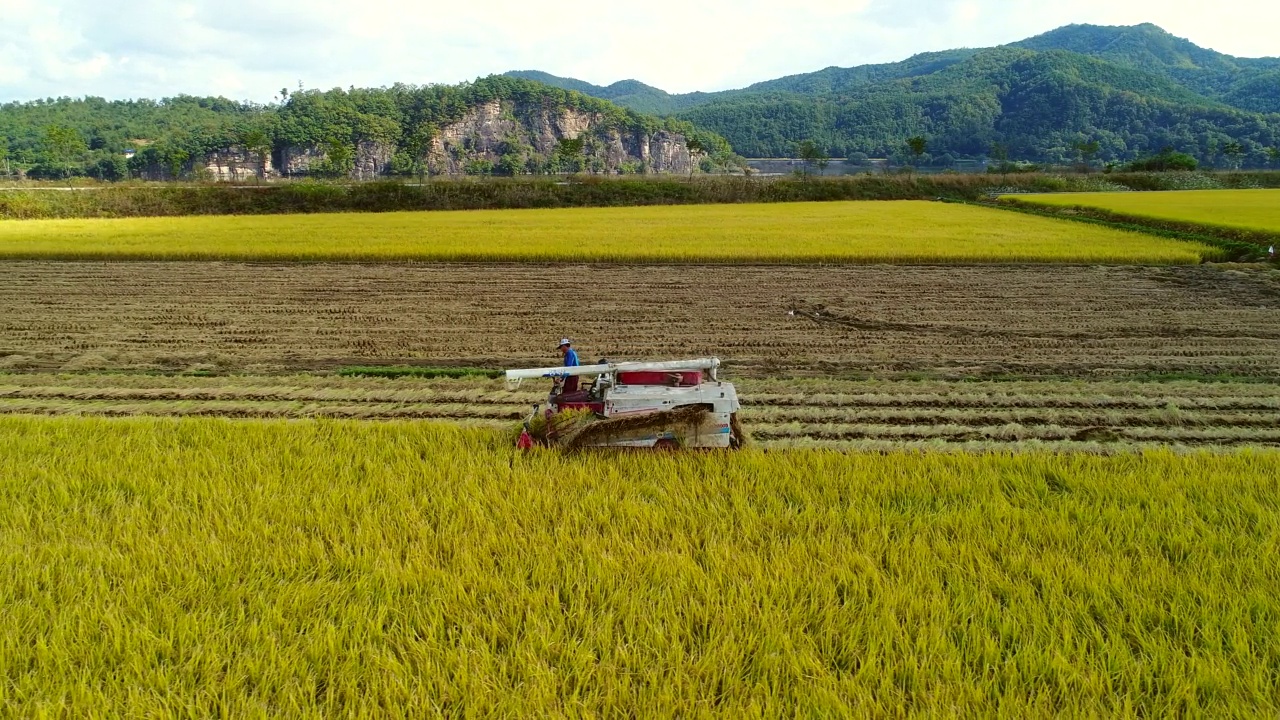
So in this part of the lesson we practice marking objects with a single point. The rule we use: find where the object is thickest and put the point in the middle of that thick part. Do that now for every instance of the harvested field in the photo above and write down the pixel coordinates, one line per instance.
(1097, 416)
(962, 321)
(837, 232)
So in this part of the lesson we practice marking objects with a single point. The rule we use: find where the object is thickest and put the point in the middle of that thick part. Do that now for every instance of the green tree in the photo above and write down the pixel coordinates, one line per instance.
(418, 145)
(339, 158)
(1273, 154)
(917, 145)
(812, 155)
(1168, 160)
(1232, 151)
(695, 148)
(256, 142)
(569, 155)
(63, 146)
(1086, 152)
(177, 161)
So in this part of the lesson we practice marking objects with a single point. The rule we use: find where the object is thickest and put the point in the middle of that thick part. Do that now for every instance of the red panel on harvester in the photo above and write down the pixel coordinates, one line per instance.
(687, 378)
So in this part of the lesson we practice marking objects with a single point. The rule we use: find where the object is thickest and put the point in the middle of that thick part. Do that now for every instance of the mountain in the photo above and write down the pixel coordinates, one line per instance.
(1246, 83)
(1134, 90)
(495, 125)
(631, 94)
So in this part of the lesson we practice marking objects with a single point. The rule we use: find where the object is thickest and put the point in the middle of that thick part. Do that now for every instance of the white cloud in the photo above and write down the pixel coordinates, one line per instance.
(251, 48)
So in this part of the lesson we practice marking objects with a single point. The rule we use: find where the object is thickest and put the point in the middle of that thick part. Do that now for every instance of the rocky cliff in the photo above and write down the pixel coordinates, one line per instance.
(369, 160)
(524, 129)
(507, 138)
(231, 164)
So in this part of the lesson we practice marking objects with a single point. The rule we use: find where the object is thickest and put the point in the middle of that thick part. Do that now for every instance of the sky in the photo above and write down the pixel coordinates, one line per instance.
(251, 49)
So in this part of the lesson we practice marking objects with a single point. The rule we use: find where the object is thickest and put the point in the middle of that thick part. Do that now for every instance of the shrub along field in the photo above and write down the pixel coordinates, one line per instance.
(30, 201)
(845, 232)
(231, 568)
(1256, 210)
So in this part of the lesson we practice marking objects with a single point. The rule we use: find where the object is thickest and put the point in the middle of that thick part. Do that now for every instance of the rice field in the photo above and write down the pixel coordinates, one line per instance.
(838, 232)
(1257, 210)
(246, 568)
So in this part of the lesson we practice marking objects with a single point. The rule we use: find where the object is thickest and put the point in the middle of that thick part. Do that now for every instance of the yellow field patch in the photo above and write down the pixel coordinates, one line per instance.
(205, 568)
(838, 232)
(1241, 209)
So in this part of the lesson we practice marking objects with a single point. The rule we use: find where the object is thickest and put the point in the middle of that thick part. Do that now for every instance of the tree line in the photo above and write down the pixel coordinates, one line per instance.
(112, 140)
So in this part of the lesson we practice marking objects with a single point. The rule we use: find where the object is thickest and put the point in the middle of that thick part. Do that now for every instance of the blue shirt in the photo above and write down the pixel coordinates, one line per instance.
(571, 358)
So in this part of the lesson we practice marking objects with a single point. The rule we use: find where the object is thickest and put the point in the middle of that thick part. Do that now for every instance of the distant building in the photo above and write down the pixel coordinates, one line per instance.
(128, 154)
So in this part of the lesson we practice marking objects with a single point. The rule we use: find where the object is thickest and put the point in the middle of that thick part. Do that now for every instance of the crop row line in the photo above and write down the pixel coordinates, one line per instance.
(1033, 401)
(1016, 432)
(814, 404)
(819, 416)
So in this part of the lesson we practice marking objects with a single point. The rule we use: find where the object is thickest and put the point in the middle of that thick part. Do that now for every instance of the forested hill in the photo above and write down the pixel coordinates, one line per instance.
(495, 125)
(1134, 90)
(1245, 83)
(631, 94)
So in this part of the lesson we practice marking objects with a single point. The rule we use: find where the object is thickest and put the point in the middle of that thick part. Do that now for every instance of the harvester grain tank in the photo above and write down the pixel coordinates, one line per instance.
(678, 404)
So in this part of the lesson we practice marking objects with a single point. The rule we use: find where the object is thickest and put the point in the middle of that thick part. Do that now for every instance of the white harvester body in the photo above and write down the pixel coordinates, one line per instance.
(640, 405)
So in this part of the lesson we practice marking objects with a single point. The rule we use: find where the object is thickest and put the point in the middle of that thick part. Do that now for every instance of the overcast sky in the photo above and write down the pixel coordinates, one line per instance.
(249, 49)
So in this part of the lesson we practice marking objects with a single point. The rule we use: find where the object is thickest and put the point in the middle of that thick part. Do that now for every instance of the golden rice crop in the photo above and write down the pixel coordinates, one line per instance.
(907, 231)
(1239, 209)
(222, 568)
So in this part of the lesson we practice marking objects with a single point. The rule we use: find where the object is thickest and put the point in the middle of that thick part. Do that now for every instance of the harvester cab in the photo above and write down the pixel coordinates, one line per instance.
(678, 404)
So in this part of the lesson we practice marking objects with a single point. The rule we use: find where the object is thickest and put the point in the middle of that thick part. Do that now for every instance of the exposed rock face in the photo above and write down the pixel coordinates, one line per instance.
(371, 160)
(232, 164)
(235, 164)
(299, 160)
(498, 137)
(511, 139)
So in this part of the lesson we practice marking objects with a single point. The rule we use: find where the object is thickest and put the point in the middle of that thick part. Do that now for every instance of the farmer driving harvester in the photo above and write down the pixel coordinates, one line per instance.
(570, 360)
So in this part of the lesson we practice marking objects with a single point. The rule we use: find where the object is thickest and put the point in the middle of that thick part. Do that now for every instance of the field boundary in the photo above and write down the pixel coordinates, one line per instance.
(17, 203)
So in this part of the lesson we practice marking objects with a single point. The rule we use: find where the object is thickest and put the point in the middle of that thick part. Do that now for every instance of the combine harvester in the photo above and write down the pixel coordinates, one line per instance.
(664, 405)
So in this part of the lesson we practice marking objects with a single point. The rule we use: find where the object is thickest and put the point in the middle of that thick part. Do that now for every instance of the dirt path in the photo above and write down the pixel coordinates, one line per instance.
(954, 321)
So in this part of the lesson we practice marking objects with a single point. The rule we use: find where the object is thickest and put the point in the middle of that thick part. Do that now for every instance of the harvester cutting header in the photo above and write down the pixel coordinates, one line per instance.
(678, 404)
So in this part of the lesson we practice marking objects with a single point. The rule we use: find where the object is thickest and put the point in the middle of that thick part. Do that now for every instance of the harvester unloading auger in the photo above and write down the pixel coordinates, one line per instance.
(680, 404)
